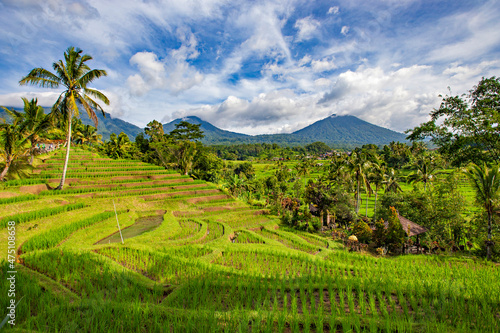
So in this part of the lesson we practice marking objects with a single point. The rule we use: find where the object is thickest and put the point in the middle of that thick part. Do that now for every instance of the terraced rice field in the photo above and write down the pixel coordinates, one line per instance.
(196, 260)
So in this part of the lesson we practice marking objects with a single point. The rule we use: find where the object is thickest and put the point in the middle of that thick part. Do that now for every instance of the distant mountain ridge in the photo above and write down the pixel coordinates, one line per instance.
(105, 126)
(337, 131)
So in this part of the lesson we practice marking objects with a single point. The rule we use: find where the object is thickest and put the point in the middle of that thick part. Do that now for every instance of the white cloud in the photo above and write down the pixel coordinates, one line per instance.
(399, 98)
(46, 99)
(173, 73)
(333, 10)
(323, 65)
(345, 30)
(280, 111)
(307, 28)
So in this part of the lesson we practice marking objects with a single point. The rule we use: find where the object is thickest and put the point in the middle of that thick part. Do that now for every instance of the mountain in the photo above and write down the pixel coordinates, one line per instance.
(339, 130)
(106, 125)
(336, 131)
(213, 135)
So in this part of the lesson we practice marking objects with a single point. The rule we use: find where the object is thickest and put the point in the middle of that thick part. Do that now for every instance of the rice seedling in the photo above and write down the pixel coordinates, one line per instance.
(38, 214)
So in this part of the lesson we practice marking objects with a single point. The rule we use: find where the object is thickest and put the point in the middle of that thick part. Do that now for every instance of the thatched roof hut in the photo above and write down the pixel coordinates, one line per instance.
(415, 229)
(411, 228)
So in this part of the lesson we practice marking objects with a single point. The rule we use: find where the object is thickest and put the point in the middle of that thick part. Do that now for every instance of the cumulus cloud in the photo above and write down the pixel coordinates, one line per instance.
(333, 10)
(173, 73)
(345, 30)
(307, 28)
(397, 98)
(280, 111)
(45, 99)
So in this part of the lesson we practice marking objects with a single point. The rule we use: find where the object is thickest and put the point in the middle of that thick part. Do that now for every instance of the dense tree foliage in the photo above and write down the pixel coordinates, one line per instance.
(466, 128)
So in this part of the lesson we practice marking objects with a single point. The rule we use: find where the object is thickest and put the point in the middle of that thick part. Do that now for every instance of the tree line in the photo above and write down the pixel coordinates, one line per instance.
(465, 129)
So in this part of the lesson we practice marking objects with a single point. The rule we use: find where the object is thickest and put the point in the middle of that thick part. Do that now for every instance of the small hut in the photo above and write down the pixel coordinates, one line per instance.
(411, 228)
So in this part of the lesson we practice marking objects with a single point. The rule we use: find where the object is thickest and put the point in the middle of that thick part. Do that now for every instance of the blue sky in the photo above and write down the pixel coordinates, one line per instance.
(258, 66)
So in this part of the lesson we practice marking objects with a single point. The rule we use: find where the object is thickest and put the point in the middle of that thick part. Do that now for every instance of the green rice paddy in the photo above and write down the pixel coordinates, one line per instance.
(197, 260)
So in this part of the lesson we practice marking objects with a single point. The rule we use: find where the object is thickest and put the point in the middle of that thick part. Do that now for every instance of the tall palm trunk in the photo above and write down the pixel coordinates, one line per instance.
(358, 185)
(367, 196)
(8, 162)
(375, 206)
(488, 245)
(68, 144)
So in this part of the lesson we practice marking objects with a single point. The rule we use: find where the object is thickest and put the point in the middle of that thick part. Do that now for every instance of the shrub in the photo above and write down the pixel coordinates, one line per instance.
(362, 231)
(395, 233)
(380, 233)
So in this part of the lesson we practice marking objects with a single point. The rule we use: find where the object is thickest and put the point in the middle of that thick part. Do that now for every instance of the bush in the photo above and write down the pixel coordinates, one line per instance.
(380, 233)
(362, 231)
(395, 233)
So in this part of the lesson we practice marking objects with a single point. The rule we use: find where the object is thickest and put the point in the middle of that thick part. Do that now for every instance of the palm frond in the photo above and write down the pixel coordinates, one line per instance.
(41, 77)
(91, 76)
(88, 108)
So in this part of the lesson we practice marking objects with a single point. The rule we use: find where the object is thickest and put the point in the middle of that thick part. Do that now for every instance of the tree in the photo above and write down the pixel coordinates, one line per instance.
(118, 146)
(395, 235)
(245, 168)
(426, 168)
(74, 75)
(466, 128)
(317, 148)
(391, 181)
(376, 177)
(180, 146)
(14, 145)
(486, 184)
(186, 131)
(358, 164)
(33, 122)
(154, 130)
(89, 136)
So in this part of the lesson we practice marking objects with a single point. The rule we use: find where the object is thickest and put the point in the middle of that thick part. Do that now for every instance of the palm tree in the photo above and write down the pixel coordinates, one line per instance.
(118, 146)
(90, 136)
(486, 184)
(391, 181)
(376, 178)
(426, 167)
(14, 144)
(358, 164)
(32, 123)
(75, 75)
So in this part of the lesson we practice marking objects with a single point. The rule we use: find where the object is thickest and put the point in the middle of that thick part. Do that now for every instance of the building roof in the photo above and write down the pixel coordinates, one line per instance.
(414, 229)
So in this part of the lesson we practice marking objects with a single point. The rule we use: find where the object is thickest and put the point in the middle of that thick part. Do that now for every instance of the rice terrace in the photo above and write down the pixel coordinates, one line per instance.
(196, 259)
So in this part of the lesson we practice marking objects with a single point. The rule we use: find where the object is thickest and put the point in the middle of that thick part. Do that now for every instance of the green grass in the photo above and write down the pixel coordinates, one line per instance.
(186, 275)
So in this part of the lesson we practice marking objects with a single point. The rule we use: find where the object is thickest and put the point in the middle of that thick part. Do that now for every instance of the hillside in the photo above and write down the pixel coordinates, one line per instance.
(213, 135)
(336, 131)
(197, 260)
(106, 125)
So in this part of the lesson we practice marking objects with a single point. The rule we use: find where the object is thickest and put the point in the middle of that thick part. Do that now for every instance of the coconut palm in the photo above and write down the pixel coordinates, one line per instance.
(74, 75)
(90, 136)
(376, 177)
(425, 170)
(14, 145)
(33, 122)
(118, 146)
(358, 164)
(486, 184)
(391, 181)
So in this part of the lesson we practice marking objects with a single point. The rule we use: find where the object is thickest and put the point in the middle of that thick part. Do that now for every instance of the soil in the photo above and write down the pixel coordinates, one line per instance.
(171, 194)
(34, 189)
(5, 194)
(208, 198)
